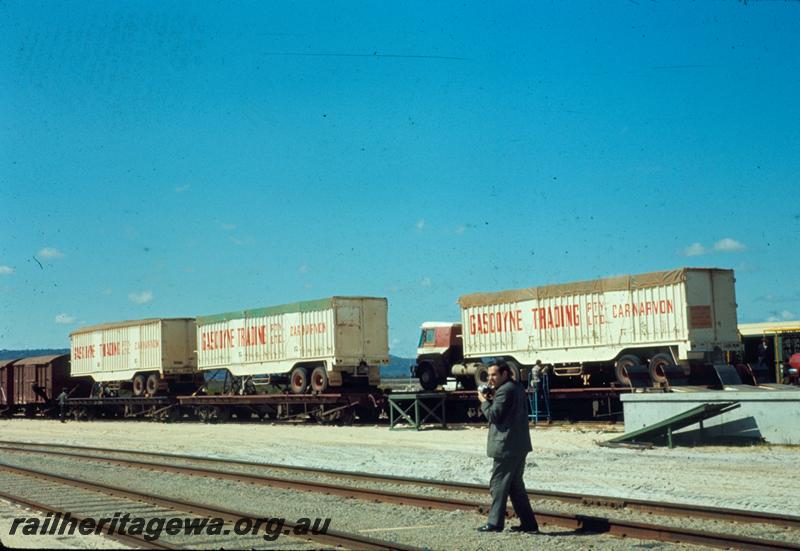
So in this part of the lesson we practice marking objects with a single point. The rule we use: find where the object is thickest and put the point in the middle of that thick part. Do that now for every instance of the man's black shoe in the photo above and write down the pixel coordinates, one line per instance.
(532, 529)
(490, 528)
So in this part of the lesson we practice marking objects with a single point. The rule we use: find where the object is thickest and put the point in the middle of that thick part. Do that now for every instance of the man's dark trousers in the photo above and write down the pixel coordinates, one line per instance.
(507, 482)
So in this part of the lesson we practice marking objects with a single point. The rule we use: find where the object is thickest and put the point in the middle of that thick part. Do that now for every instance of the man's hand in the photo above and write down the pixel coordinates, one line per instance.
(482, 397)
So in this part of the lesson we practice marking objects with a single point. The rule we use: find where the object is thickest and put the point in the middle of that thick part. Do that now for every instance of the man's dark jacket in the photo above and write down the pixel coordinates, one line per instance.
(508, 417)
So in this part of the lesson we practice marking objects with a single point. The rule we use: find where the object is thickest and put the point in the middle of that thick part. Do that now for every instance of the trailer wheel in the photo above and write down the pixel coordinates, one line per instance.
(427, 377)
(621, 368)
(152, 384)
(298, 380)
(139, 385)
(657, 364)
(319, 380)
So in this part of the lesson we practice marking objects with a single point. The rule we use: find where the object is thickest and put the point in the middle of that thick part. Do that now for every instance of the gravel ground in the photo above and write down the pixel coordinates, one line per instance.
(409, 525)
(9, 511)
(564, 459)
(750, 530)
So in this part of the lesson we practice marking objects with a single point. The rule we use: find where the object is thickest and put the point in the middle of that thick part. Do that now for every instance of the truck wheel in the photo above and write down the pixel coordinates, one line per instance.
(657, 364)
(427, 377)
(138, 385)
(298, 380)
(621, 368)
(481, 376)
(152, 384)
(319, 380)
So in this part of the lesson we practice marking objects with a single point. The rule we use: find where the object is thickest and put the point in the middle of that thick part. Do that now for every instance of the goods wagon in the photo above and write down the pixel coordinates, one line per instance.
(147, 357)
(38, 380)
(593, 329)
(332, 342)
(7, 386)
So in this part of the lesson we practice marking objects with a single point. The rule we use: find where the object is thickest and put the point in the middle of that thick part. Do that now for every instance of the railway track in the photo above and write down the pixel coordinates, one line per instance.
(207, 467)
(336, 538)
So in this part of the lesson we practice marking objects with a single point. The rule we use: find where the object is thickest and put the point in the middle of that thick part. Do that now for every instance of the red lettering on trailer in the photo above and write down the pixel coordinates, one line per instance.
(552, 317)
(307, 329)
(495, 322)
(217, 340)
(251, 336)
(660, 307)
(83, 352)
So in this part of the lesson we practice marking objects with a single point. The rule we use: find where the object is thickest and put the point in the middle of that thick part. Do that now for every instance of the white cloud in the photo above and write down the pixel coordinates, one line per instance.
(729, 245)
(420, 225)
(50, 252)
(783, 315)
(460, 229)
(5, 270)
(303, 269)
(64, 319)
(236, 241)
(141, 298)
(695, 249)
(107, 291)
(181, 189)
(228, 227)
(426, 282)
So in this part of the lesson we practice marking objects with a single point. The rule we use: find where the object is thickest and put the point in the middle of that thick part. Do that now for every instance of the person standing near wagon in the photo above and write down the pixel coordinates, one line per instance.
(509, 443)
(62, 405)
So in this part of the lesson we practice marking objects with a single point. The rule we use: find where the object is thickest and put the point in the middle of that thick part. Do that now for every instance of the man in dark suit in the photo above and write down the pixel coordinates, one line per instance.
(508, 443)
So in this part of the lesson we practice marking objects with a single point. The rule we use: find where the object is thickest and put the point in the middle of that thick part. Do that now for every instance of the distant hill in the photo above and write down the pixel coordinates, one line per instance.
(31, 352)
(398, 367)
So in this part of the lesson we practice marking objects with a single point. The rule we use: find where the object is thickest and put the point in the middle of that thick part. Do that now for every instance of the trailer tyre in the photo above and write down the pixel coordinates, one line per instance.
(139, 385)
(427, 377)
(481, 376)
(657, 364)
(319, 379)
(152, 384)
(621, 368)
(298, 380)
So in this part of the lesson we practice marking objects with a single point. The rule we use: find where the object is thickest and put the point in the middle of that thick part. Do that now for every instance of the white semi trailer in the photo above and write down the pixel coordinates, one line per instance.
(148, 356)
(332, 342)
(593, 329)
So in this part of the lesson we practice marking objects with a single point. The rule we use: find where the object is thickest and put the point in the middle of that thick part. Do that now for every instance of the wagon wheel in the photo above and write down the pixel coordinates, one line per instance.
(657, 364)
(319, 380)
(139, 385)
(298, 380)
(347, 417)
(366, 414)
(152, 383)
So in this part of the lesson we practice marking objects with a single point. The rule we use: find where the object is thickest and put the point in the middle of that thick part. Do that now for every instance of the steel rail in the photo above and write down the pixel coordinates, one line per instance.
(645, 506)
(330, 537)
(587, 523)
(128, 539)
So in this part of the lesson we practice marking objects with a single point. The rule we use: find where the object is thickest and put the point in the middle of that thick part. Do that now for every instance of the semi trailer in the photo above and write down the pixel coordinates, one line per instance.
(588, 331)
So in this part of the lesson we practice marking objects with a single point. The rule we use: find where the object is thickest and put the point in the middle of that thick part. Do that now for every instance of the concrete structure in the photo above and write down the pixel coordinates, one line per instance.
(765, 413)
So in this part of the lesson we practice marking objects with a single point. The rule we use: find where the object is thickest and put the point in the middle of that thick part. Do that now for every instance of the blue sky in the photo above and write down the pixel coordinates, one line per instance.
(181, 159)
